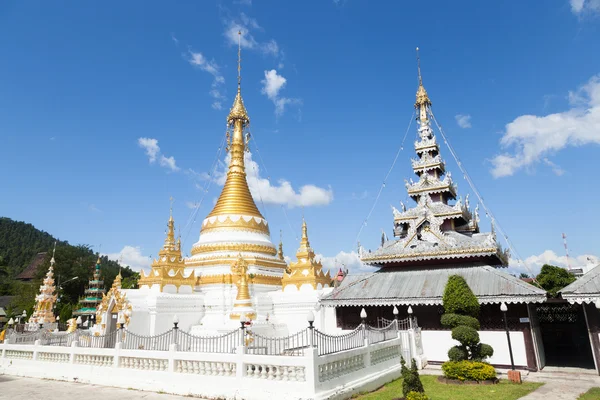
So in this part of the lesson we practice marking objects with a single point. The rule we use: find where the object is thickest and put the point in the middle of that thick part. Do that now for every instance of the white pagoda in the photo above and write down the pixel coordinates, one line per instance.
(44, 302)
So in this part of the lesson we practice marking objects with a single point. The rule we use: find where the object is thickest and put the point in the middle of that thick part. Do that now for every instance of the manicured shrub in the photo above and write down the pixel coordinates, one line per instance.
(411, 381)
(458, 297)
(454, 320)
(466, 335)
(468, 370)
(481, 351)
(458, 353)
(416, 396)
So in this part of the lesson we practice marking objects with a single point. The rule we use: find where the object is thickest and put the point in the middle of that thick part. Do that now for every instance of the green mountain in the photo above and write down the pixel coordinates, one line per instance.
(20, 242)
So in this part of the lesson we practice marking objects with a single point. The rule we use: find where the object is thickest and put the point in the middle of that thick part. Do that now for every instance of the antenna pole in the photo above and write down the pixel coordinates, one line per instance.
(566, 250)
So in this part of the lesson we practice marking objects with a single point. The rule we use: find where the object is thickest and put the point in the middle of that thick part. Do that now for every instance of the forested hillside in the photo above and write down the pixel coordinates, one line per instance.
(20, 242)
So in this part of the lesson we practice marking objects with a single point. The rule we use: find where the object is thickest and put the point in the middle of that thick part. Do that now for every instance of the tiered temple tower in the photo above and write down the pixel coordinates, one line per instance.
(434, 230)
(93, 294)
(167, 271)
(44, 302)
(235, 228)
(307, 270)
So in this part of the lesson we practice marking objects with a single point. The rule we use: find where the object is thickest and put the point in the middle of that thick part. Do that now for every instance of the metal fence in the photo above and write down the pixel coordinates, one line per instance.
(292, 345)
(86, 339)
(133, 341)
(403, 324)
(328, 344)
(226, 343)
(376, 335)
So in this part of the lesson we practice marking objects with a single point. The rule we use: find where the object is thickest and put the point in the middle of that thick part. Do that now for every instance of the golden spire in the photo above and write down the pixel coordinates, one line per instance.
(280, 250)
(236, 198)
(422, 98)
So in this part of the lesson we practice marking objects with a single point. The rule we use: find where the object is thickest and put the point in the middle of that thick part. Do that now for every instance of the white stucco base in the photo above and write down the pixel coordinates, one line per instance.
(437, 343)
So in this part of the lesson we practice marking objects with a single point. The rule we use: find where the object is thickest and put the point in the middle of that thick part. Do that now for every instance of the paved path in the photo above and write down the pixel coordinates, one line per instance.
(561, 386)
(17, 388)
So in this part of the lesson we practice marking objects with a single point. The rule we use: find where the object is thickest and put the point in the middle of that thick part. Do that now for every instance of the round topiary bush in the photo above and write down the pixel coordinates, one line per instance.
(454, 320)
(458, 353)
(466, 335)
(468, 370)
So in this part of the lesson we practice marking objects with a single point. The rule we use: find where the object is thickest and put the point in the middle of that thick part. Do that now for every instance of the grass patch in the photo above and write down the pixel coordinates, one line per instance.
(439, 391)
(592, 394)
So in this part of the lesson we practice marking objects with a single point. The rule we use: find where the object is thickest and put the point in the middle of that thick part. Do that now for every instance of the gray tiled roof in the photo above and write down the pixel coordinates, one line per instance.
(586, 289)
(426, 286)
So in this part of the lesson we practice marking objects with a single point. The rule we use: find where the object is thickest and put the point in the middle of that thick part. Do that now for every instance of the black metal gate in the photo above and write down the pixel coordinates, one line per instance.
(565, 335)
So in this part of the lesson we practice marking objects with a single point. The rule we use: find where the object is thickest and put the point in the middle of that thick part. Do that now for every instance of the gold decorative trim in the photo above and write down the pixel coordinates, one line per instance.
(241, 223)
(227, 279)
(492, 250)
(256, 248)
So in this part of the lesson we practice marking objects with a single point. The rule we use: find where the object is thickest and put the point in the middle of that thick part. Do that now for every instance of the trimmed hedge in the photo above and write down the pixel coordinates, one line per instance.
(458, 353)
(466, 335)
(459, 298)
(453, 320)
(468, 370)
(416, 396)
(411, 382)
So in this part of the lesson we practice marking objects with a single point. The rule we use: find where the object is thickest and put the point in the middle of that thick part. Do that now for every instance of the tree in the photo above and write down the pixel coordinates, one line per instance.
(131, 282)
(461, 311)
(552, 278)
(523, 275)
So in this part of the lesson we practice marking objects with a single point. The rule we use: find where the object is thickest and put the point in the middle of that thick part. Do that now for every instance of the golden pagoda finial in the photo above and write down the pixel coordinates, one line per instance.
(422, 98)
(239, 60)
(280, 249)
(52, 259)
(235, 198)
(171, 200)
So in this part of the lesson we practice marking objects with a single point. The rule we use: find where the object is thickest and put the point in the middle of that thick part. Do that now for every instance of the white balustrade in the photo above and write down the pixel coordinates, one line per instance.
(89, 359)
(19, 355)
(53, 357)
(276, 372)
(148, 364)
(205, 367)
(385, 354)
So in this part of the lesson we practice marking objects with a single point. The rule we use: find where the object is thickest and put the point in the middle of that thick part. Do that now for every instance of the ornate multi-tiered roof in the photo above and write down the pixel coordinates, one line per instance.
(169, 267)
(307, 270)
(235, 227)
(93, 293)
(434, 230)
(44, 302)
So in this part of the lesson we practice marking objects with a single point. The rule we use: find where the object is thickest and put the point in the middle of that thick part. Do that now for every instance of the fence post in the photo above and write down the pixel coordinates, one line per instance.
(117, 356)
(312, 371)
(74, 345)
(172, 350)
(36, 349)
(240, 366)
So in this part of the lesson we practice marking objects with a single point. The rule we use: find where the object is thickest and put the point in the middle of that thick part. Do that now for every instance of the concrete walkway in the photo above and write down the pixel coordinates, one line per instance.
(18, 388)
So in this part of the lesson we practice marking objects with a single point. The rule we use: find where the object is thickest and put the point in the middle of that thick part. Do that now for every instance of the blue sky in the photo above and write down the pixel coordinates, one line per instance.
(329, 86)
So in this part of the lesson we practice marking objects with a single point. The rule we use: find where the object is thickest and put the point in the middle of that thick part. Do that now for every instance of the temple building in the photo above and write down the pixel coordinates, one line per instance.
(234, 270)
(93, 294)
(437, 237)
(43, 312)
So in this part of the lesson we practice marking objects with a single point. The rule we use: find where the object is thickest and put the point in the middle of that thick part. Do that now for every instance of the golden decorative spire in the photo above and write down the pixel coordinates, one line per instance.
(422, 98)
(169, 268)
(243, 300)
(280, 249)
(236, 198)
(307, 270)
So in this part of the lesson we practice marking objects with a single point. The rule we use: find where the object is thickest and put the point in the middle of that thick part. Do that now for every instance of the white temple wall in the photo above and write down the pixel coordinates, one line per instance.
(437, 343)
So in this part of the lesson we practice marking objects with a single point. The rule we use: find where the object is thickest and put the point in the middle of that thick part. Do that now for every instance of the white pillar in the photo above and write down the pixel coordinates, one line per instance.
(240, 367)
(117, 355)
(312, 371)
(172, 351)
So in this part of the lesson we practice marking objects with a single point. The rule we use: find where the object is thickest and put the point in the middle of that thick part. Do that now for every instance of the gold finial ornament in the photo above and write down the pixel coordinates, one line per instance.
(235, 199)
(422, 97)
(243, 301)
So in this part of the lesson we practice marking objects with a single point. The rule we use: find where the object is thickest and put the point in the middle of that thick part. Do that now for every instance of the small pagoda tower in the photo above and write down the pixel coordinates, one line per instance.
(307, 270)
(44, 302)
(167, 273)
(434, 231)
(93, 294)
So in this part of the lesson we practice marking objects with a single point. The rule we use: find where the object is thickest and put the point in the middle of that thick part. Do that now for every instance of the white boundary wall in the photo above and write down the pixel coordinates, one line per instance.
(230, 376)
(437, 343)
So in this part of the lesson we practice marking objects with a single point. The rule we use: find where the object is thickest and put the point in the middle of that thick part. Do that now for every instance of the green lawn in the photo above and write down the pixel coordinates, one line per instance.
(439, 391)
(592, 394)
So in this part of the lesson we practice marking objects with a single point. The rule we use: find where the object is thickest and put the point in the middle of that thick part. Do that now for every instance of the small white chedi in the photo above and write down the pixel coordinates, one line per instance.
(234, 270)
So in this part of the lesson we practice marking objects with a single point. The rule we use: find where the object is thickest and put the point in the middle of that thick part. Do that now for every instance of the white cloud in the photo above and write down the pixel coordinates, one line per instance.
(579, 7)
(533, 264)
(282, 193)
(153, 152)
(198, 60)
(151, 147)
(132, 257)
(555, 168)
(93, 208)
(533, 137)
(346, 260)
(272, 85)
(464, 121)
(243, 2)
